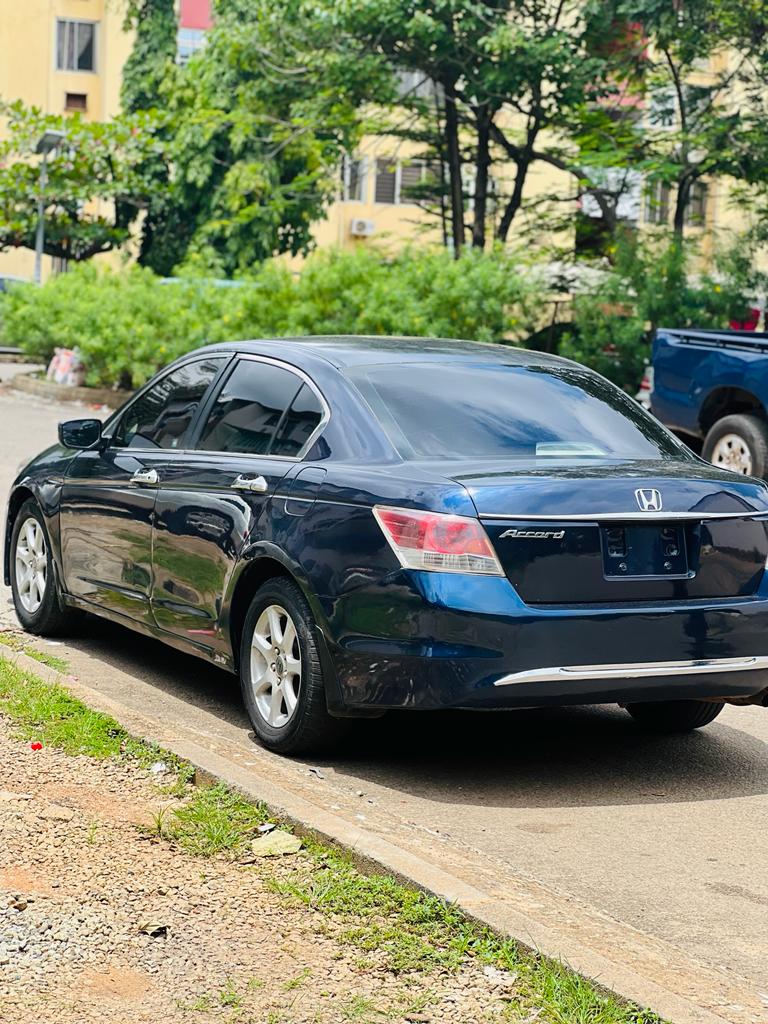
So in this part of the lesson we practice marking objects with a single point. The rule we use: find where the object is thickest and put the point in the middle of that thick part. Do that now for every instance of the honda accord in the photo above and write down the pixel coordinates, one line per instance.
(358, 524)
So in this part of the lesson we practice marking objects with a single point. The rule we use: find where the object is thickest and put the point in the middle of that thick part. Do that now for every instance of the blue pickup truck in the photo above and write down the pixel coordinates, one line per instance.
(711, 387)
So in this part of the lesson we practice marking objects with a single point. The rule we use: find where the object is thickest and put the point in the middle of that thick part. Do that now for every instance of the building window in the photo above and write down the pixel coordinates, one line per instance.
(411, 176)
(696, 208)
(386, 181)
(395, 181)
(415, 85)
(76, 101)
(354, 179)
(188, 42)
(657, 203)
(75, 45)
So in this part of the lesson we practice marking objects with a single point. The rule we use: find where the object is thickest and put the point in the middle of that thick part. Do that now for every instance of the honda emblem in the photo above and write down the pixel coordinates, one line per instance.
(648, 499)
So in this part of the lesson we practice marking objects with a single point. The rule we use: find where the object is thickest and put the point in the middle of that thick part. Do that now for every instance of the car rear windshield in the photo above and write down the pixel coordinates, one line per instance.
(455, 410)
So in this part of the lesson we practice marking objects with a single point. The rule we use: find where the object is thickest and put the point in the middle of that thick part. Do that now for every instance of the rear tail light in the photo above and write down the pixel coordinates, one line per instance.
(438, 542)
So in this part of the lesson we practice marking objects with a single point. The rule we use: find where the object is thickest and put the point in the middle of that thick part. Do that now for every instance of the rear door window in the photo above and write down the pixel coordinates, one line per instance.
(249, 409)
(161, 417)
(300, 422)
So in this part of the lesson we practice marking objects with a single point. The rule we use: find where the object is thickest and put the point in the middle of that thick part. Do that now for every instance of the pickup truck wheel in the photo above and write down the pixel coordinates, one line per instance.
(675, 715)
(738, 443)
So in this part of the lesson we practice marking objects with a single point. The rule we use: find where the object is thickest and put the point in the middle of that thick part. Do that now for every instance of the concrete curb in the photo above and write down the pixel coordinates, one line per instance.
(31, 384)
(374, 852)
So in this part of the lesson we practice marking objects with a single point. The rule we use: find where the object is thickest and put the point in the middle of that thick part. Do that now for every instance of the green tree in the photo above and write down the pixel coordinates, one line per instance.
(502, 84)
(96, 181)
(145, 74)
(256, 134)
(653, 284)
(701, 83)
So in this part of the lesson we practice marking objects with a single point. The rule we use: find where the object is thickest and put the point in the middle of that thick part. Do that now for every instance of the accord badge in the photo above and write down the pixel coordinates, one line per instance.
(533, 534)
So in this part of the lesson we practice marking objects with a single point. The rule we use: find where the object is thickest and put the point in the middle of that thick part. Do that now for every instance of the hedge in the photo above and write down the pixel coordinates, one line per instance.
(128, 323)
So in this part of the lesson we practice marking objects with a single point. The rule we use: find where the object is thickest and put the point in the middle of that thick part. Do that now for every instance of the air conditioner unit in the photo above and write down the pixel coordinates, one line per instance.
(360, 228)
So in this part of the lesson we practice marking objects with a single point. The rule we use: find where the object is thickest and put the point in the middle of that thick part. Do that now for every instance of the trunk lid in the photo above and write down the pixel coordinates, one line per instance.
(606, 532)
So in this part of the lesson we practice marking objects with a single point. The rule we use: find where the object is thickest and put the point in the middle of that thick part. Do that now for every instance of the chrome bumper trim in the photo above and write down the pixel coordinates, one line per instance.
(624, 517)
(634, 670)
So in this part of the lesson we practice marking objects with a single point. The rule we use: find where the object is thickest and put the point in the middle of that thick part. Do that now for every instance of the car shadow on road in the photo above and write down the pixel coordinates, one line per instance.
(555, 757)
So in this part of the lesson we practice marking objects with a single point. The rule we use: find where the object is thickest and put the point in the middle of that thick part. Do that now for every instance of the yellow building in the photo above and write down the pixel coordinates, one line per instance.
(375, 201)
(61, 56)
(68, 55)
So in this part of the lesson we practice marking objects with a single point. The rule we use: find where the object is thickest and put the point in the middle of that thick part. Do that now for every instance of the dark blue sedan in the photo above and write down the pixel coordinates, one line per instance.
(357, 524)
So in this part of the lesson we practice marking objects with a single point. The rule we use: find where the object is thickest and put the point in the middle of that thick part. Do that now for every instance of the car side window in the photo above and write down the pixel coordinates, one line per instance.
(249, 408)
(299, 424)
(160, 418)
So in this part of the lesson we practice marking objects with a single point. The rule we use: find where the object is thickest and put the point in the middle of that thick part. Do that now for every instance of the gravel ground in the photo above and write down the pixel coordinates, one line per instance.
(80, 878)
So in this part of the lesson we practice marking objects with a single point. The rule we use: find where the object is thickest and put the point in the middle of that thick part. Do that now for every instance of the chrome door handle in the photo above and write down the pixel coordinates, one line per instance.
(255, 484)
(145, 476)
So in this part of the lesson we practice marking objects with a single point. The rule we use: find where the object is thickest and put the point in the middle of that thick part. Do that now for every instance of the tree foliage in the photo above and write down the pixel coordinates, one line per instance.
(96, 181)
(654, 283)
(150, 66)
(700, 86)
(494, 85)
(256, 132)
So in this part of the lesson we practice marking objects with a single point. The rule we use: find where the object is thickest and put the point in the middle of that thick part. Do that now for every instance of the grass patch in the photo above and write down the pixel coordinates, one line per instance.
(214, 820)
(401, 929)
(49, 713)
(46, 712)
(17, 643)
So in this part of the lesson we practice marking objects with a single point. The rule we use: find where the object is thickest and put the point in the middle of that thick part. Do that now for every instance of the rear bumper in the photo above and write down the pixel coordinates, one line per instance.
(432, 640)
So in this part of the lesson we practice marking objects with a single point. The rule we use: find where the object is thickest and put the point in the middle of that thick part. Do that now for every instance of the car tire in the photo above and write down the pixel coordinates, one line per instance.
(281, 675)
(738, 443)
(671, 716)
(34, 583)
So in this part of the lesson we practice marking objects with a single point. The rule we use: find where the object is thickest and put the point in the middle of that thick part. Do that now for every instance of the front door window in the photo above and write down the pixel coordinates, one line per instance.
(160, 418)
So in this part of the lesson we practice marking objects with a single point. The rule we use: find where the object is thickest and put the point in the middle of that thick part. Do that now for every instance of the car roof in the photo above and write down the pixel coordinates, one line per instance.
(347, 350)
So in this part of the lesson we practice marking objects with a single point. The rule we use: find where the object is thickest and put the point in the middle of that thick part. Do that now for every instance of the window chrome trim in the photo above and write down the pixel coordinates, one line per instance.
(604, 517)
(305, 378)
(634, 670)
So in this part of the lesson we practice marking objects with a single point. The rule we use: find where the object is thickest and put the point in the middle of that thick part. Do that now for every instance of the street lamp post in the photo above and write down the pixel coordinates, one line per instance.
(50, 141)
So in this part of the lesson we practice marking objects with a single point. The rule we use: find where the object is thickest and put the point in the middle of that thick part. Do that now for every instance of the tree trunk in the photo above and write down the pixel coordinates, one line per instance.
(482, 165)
(516, 199)
(453, 153)
(681, 204)
(441, 156)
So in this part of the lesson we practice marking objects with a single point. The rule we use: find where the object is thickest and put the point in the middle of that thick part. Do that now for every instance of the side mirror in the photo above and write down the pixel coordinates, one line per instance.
(80, 433)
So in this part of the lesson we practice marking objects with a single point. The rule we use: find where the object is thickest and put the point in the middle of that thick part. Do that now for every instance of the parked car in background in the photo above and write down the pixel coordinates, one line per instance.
(713, 386)
(9, 280)
(357, 524)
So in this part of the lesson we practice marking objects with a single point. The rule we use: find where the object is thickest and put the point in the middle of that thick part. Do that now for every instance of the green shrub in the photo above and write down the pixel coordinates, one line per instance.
(129, 323)
(654, 284)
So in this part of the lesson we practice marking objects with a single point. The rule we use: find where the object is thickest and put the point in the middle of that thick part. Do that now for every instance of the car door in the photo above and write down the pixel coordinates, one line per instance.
(257, 424)
(108, 496)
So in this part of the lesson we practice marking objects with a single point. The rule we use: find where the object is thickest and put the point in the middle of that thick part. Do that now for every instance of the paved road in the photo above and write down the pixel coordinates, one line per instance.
(658, 843)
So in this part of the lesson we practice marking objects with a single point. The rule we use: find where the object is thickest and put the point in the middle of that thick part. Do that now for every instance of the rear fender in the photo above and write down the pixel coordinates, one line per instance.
(265, 551)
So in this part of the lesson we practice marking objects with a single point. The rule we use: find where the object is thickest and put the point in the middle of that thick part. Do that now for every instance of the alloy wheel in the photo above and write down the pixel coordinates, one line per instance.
(275, 666)
(732, 452)
(31, 565)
